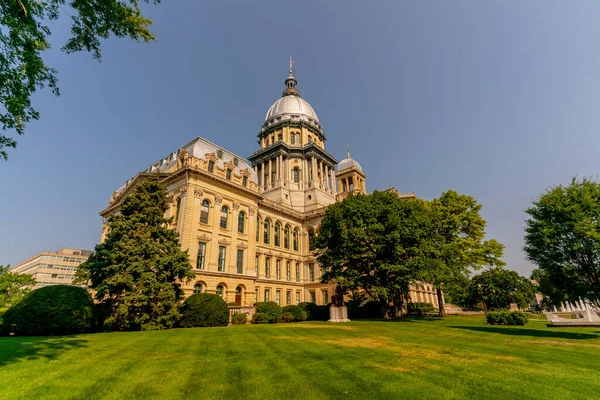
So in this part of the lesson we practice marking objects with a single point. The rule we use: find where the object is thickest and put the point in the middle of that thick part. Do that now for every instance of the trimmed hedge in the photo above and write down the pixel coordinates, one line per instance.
(233, 304)
(315, 312)
(239, 318)
(272, 309)
(296, 311)
(288, 317)
(51, 310)
(260, 318)
(204, 310)
(506, 318)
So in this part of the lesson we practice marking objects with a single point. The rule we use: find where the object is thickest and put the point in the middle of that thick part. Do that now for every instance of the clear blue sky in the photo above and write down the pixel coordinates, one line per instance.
(498, 100)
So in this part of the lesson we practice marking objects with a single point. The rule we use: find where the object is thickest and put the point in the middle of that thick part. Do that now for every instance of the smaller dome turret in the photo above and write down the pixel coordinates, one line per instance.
(348, 163)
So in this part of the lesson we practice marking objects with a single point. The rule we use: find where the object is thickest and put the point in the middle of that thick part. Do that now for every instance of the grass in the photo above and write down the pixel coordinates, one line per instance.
(453, 358)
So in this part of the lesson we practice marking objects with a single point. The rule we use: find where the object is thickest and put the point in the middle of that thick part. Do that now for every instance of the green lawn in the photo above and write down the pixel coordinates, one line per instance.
(454, 358)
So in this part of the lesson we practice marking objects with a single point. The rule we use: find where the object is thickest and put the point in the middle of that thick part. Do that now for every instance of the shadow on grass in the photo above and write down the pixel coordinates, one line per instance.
(13, 349)
(415, 319)
(528, 332)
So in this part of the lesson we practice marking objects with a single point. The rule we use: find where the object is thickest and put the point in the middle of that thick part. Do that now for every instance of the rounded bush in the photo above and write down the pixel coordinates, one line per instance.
(233, 304)
(295, 311)
(239, 318)
(315, 312)
(204, 310)
(506, 318)
(270, 308)
(260, 318)
(51, 310)
(371, 309)
(288, 317)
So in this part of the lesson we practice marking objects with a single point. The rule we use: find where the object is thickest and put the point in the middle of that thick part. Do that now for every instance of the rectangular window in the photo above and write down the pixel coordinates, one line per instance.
(256, 265)
(267, 267)
(222, 253)
(256, 294)
(311, 272)
(211, 166)
(297, 272)
(267, 294)
(288, 270)
(288, 297)
(297, 297)
(312, 296)
(278, 297)
(228, 174)
(325, 297)
(278, 269)
(240, 261)
(245, 181)
(201, 255)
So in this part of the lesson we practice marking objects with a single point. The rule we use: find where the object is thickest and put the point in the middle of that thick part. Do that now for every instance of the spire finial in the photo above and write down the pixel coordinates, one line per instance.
(291, 66)
(348, 151)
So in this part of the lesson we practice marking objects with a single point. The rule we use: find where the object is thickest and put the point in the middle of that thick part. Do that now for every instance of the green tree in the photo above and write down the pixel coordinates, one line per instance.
(458, 232)
(136, 272)
(24, 32)
(13, 286)
(562, 237)
(375, 243)
(498, 287)
(551, 295)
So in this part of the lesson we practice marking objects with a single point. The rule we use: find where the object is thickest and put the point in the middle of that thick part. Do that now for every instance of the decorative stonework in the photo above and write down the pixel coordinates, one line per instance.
(242, 245)
(204, 237)
(252, 211)
(218, 199)
(224, 241)
(236, 206)
(183, 190)
(198, 193)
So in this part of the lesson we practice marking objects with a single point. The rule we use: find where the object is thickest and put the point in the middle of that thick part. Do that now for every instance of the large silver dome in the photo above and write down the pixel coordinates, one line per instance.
(291, 105)
(348, 163)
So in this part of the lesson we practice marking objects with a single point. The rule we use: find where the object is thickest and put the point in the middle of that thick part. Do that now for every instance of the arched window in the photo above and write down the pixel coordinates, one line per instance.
(204, 211)
(224, 217)
(286, 237)
(279, 137)
(267, 233)
(220, 291)
(311, 239)
(296, 175)
(295, 239)
(293, 138)
(257, 229)
(277, 234)
(198, 288)
(241, 221)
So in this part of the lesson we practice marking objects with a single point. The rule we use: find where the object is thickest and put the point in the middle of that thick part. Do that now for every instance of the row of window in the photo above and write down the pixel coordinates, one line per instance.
(201, 258)
(63, 258)
(228, 173)
(60, 267)
(277, 234)
(288, 296)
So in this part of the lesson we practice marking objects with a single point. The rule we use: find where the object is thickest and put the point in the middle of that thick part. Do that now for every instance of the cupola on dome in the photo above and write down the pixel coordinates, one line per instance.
(291, 107)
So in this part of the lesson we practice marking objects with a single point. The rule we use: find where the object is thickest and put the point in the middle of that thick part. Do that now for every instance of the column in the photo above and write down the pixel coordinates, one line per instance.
(280, 167)
(314, 169)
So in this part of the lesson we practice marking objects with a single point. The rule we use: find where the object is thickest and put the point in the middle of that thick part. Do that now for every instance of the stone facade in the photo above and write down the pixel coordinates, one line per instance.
(247, 224)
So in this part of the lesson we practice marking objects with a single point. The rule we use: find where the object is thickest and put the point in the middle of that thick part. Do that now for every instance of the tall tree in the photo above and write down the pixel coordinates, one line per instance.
(562, 237)
(458, 233)
(498, 287)
(551, 295)
(136, 272)
(13, 286)
(24, 31)
(374, 243)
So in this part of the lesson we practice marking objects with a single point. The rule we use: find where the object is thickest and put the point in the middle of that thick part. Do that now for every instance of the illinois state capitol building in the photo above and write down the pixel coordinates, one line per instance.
(248, 224)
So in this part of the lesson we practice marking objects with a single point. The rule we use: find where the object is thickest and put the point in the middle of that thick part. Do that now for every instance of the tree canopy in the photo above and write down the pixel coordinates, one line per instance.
(24, 32)
(13, 286)
(136, 272)
(458, 243)
(498, 287)
(562, 237)
(374, 242)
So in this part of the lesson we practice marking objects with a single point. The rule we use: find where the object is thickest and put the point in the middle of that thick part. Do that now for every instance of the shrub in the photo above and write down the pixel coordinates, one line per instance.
(506, 318)
(270, 308)
(315, 312)
(204, 310)
(239, 318)
(304, 316)
(260, 318)
(288, 317)
(419, 308)
(295, 311)
(51, 310)
(233, 304)
(371, 309)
